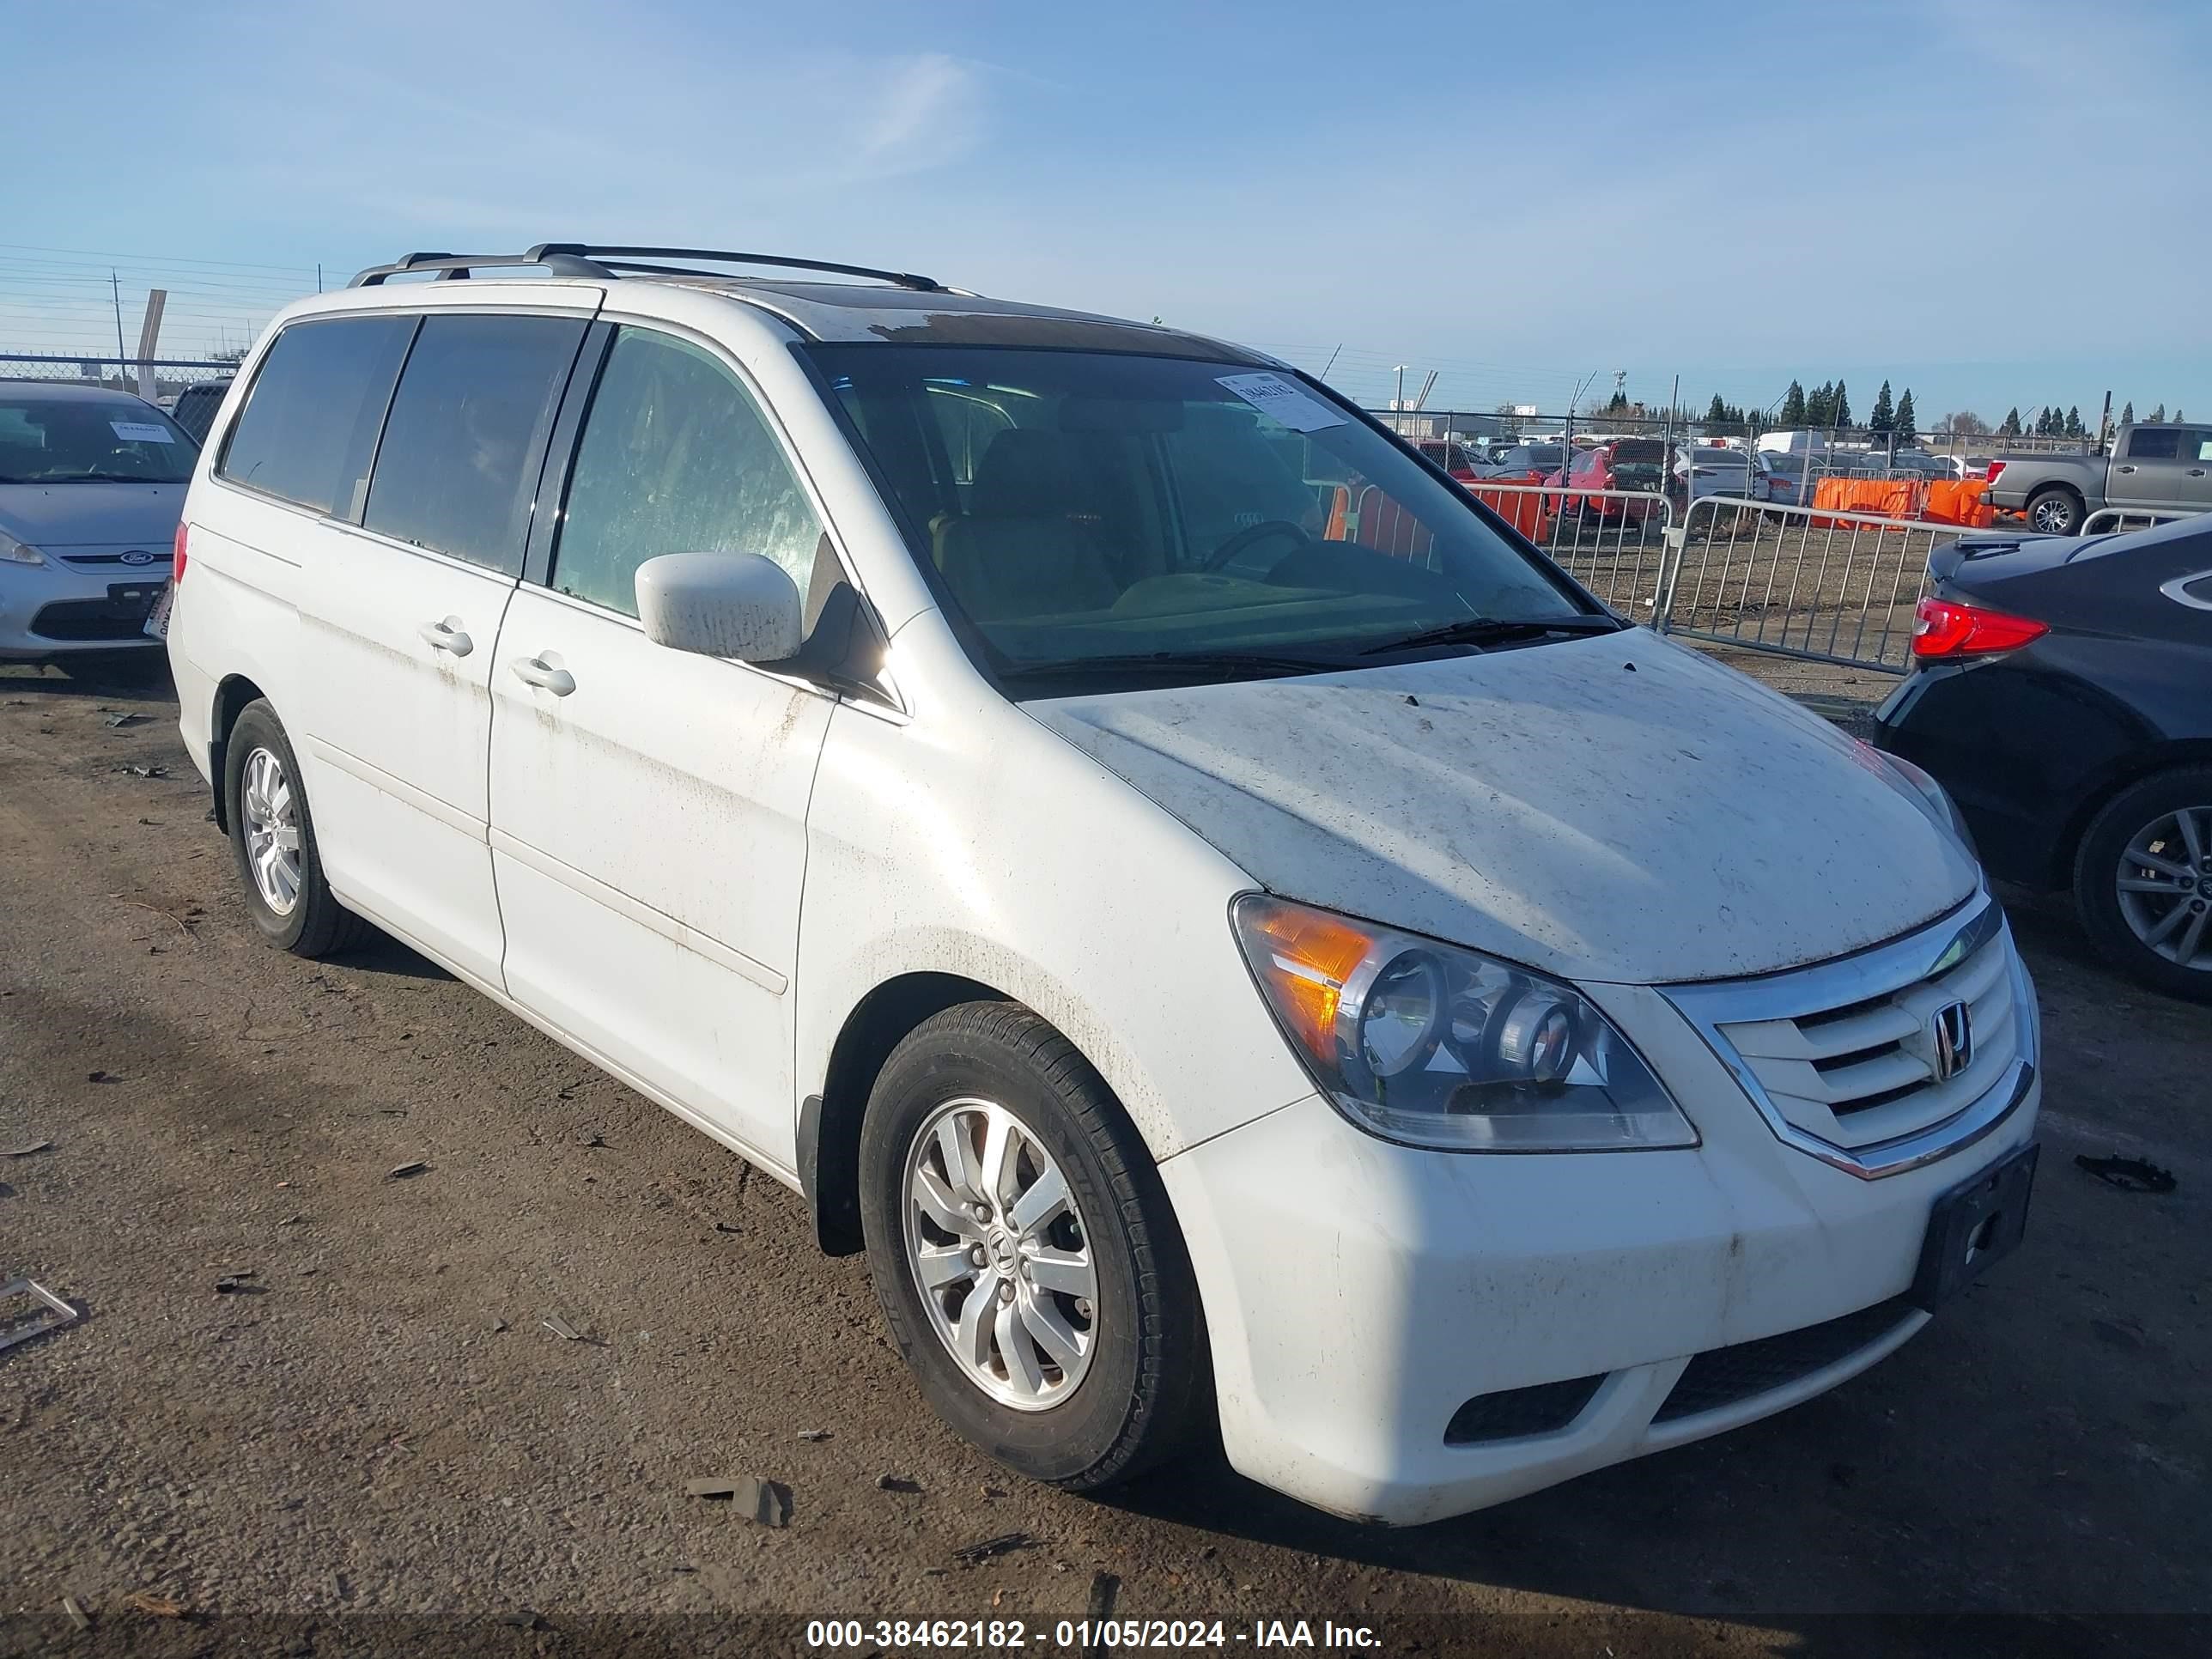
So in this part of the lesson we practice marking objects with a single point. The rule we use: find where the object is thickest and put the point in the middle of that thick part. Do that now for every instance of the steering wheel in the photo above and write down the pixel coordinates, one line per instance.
(1243, 539)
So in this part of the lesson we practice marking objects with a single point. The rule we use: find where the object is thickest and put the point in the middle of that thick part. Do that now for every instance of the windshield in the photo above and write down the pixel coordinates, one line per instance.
(1089, 515)
(90, 440)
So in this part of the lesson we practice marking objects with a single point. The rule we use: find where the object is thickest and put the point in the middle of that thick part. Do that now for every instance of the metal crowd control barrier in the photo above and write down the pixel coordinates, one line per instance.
(2111, 520)
(1613, 542)
(1820, 584)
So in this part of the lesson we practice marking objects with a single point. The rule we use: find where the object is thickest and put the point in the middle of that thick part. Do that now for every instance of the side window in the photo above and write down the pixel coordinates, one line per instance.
(2153, 443)
(311, 419)
(967, 424)
(456, 469)
(676, 458)
(2204, 444)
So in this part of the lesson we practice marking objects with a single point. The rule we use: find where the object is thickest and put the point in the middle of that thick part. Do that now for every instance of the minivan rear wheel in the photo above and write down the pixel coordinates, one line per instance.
(2142, 881)
(1024, 1253)
(272, 838)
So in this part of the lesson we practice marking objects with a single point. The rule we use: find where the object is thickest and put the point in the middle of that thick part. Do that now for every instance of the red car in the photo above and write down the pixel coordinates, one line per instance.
(1626, 464)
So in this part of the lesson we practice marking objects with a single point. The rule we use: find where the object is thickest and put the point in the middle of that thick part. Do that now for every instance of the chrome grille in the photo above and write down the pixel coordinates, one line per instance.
(1848, 1055)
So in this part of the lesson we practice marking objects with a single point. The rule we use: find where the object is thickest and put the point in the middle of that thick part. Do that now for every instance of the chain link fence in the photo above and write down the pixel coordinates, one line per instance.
(166, 376)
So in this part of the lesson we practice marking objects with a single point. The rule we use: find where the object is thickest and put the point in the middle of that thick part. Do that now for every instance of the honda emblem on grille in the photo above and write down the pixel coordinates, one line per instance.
(1952, 1033)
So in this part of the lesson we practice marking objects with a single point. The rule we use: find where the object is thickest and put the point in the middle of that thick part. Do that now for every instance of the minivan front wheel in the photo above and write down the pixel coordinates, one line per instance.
(272, 838)
(1024, 1252)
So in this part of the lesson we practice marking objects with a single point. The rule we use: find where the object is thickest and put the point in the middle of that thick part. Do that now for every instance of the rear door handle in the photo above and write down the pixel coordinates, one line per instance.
(447, 635)
(539, 672)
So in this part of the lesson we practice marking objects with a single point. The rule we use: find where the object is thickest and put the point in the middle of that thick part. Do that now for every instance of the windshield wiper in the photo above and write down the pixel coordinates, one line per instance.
(112, 477)
(1495, 630)
(1141, 662)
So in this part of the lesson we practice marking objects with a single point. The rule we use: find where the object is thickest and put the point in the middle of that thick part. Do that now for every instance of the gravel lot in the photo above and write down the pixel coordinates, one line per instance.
(378, 1445)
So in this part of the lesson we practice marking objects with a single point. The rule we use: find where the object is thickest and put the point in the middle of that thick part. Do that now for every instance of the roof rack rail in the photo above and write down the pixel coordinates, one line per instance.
(456, 267)
(606, 263)
(620, 259)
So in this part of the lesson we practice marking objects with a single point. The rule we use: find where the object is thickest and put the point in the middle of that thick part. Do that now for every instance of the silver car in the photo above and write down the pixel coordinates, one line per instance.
(91, 485)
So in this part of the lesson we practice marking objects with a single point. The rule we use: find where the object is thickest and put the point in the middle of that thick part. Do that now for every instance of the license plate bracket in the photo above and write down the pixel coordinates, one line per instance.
(1974, 1225)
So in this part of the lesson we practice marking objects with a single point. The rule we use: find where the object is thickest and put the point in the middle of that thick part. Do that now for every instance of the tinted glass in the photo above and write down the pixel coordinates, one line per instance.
(1152, 510)
(676, 458)
(310, 422)
(2154, 445)
(196, 406)
(71, 439)
(458, 463)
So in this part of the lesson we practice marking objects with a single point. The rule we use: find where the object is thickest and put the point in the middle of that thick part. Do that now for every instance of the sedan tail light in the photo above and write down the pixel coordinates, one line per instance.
(1947, 630)
(1996, 467)
(177, 553)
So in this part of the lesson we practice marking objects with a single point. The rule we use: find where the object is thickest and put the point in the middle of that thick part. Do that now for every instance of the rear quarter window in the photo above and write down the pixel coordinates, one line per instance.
(310, 420)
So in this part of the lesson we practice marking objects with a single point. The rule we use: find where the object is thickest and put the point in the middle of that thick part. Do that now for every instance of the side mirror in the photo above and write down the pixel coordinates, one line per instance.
(720, 605)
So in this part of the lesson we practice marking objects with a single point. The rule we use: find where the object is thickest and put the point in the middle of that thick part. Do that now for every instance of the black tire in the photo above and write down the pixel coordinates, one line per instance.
(2097, 871)
(1148, 1380)
(2055, 510)
(317, 925)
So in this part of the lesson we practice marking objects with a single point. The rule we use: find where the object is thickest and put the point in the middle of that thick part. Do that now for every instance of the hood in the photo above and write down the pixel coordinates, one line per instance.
(1613, 808)
(92, 514)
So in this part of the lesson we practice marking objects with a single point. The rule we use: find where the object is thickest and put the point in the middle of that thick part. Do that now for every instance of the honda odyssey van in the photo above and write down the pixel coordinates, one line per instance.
(980, 764)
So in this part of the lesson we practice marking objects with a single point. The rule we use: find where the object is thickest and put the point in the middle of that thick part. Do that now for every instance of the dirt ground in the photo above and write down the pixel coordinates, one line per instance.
(376, 1445)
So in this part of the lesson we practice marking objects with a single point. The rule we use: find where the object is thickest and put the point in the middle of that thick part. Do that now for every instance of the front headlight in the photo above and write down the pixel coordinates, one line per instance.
(1438, 1046)
(15, 552)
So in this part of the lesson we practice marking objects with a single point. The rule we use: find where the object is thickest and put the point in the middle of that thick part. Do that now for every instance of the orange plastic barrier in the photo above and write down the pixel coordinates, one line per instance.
(1961, 500)
(1892, 498)
(1524, 510)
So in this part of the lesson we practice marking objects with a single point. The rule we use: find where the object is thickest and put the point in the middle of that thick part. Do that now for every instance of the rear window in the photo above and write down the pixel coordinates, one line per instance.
(1638, 452)
(455, 471)
(309, 424)
(196, 407)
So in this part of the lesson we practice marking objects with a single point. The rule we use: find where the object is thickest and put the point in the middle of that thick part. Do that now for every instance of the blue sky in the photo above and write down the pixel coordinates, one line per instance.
(1993, 201)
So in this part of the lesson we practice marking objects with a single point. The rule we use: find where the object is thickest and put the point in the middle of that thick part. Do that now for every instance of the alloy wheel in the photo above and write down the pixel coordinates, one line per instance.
(270, 811)
(1000, 1254)
(2165, 886)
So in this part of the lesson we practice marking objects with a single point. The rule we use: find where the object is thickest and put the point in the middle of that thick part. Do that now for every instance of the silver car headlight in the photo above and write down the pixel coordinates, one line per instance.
(15, 552)
(1436, 1045)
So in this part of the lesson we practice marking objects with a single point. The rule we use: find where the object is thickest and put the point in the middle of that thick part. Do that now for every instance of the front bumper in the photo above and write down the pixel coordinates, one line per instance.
(1366, 1300)
(61, 608)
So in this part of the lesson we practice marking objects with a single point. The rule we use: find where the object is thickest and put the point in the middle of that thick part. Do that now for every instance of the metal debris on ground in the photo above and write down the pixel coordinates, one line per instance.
(102, 1076)
(897, 1483)
(2130, 1175)
(154, 1604)
(145, 771)
(562, 1328)
(406, 1169)
(77, 1615)
(984, 1548)
(291, 1220)
(116, 720)
(593, 1139)
(25, 1150)
(51, 1316)
(240, 1284)
(767, 1502)
(814, 1434)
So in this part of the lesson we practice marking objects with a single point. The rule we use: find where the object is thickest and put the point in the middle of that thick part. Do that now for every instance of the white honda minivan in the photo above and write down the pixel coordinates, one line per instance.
(1234, 933)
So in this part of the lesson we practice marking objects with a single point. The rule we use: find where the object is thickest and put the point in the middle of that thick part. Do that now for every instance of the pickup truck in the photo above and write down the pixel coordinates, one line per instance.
(2163, 469)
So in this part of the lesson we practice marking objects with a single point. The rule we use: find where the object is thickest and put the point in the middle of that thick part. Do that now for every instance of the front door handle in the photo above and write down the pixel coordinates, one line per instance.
(2123, 469)
(447, 635)
(545, 670)
(2196, 471)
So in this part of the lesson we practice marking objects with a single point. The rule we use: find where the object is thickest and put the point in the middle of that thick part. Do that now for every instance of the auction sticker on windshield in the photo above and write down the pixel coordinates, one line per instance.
(1281, 400)
(143, 432)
